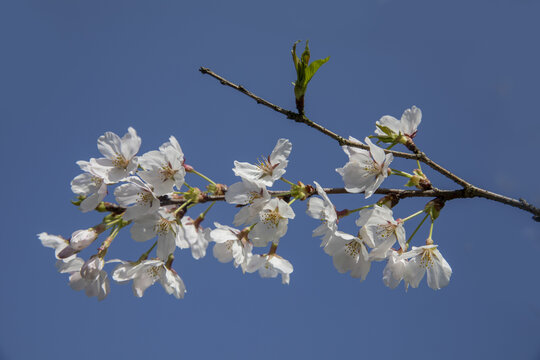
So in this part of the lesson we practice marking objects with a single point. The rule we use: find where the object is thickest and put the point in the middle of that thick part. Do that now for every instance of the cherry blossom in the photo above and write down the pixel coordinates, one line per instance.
(90, 184)
(231, 244)
(146, 273)
(270, 266)
(380, 228)
(161, 223)
(349, 253)
(164, 169)
(194, 236)
(269, 170)
(120, 159)
(428, 259)
(408, 125)
(251, 194)
(138, 194)
(366, 170)
(89, 277)
(395, 269)
(272, 225)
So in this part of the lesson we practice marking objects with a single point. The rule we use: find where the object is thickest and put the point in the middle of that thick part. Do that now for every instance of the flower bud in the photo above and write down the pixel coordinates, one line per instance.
(92, 267)
(81, 239)
(433, 208)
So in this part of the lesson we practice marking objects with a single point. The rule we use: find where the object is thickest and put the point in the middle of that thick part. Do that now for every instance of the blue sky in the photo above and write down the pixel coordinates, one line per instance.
(71, 70)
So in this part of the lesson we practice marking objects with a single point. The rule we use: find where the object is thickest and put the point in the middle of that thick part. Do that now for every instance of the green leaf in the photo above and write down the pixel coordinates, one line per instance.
(313, 67)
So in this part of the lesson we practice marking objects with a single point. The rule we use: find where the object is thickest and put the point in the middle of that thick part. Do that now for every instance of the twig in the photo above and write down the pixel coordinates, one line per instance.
(468, 191)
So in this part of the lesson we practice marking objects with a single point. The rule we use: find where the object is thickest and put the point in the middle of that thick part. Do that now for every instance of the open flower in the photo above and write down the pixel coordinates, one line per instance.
(251, 194)
(395, 269)
(381, 230)
(120, 159)
(389, 128)
(191, 234)
(428, 259)
(161, 223)
(146, 273)
(269, 170)
(270, 266)
(365, 170)
(272, 225)
(90, 184)
(138, 194)
(164, 169)
(231, 244)
(349, 253)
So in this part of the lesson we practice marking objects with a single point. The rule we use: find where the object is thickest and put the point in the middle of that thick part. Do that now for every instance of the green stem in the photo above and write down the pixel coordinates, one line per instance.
(189, 187)
(287, 181)
(391, 146)
(431, 229)
(181, 207)
(203, 214)
(417, 228)
(401, 173)
(413, 215)
(419, 167)
(360, 208)
(203, 176)
(293, 200)
(145, 255)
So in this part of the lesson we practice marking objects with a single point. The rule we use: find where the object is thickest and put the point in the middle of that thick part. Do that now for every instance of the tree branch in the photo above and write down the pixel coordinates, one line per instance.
(468, 190)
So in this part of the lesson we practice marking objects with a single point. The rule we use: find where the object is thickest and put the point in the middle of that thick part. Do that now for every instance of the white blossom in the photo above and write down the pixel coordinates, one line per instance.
(252, 195)
(90, 184)
(146, 273)
(408, 125)
(428, 259)
(270, 266)
(272, 225)
(93, 280)
(349, 253)
(138, 194)
(365, 170)
(231, 244)
(161, 223)
(380, 228)
(268, 170)
(194, 236)
(395, 269)
(164, 169)
(120, 159)
(56, 242)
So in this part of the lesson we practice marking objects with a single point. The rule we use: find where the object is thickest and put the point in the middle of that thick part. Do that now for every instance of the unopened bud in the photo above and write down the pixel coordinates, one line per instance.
(81, 239)
(92, 267)
(433, 208)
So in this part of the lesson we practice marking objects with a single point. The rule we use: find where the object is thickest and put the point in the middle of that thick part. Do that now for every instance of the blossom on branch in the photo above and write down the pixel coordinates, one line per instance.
(267, 170)
(146, 273)
(389, 129)
(138, 194)
(120, 159)
(366, 170)
(164, 169)
(270, 266)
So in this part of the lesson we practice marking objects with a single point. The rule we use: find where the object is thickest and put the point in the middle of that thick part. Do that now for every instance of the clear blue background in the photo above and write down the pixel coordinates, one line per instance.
(71, 70)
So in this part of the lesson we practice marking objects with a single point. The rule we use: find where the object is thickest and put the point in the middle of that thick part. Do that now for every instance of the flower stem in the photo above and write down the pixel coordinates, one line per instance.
(293, 200)
(145, 255)
(360, 208)
(419, 167)
(417, 228)
(413, 215)
(431, 229)
(401, 173)
(287, 181)
(181, 207)
(189, 187)
(203, 214)
(203, 176)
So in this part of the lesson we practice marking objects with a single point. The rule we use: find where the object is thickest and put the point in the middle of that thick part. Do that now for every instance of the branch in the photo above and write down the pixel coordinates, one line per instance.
(468, 190)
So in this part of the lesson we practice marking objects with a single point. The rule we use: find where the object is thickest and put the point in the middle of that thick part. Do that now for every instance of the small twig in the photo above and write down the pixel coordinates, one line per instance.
(468, 190)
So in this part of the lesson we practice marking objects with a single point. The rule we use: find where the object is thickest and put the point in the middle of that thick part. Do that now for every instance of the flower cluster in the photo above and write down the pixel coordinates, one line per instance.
(153, 198)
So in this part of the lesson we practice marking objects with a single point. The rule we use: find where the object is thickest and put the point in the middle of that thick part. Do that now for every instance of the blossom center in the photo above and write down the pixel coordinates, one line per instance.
(167, 172)
(144, 197)
(426, 260)
(353, 249)
(120, 161)
(271, 218)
